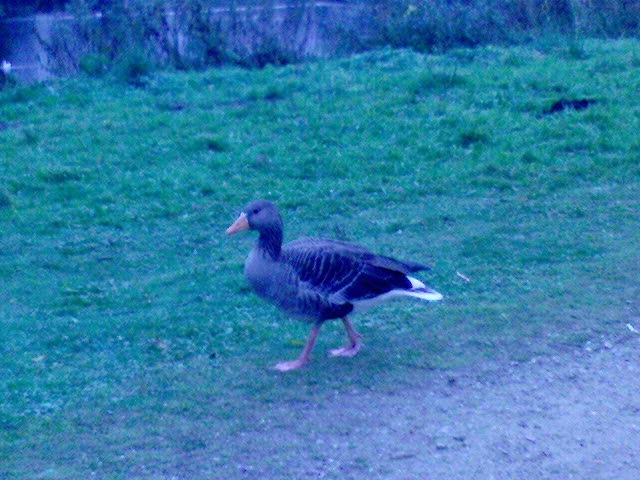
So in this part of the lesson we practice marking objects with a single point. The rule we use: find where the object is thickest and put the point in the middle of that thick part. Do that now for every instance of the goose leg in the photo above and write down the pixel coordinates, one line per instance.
(355, 342)
(304, 357)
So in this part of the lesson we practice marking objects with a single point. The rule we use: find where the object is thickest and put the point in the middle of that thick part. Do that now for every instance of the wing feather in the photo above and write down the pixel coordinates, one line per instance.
(343, 272)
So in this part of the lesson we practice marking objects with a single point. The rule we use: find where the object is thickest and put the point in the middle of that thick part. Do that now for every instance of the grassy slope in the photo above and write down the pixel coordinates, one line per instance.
(130, 343)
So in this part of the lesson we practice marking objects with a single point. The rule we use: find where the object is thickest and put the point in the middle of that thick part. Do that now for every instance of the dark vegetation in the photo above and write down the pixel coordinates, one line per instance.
(14, 8)
(564, 104)
(133, 37)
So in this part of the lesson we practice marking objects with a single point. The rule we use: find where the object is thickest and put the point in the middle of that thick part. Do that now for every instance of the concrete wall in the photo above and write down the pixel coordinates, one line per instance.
(323, 31)
(20, 45)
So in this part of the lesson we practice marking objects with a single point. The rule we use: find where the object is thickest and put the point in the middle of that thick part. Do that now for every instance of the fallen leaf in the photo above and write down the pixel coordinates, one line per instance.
(463, 277)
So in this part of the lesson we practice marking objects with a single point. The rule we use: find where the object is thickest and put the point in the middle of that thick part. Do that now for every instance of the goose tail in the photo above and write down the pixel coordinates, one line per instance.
(421, 291)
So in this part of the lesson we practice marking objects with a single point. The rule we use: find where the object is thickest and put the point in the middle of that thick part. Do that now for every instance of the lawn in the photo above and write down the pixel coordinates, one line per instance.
(132, 347)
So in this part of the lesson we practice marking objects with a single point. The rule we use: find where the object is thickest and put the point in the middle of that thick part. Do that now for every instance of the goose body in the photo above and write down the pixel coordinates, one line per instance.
(318, 279)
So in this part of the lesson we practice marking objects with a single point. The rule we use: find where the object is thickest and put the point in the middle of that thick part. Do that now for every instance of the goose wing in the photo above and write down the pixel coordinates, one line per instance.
(343, 272)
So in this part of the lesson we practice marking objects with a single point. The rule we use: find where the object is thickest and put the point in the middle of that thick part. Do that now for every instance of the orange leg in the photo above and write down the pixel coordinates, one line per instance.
(355, 342)
(304, 357)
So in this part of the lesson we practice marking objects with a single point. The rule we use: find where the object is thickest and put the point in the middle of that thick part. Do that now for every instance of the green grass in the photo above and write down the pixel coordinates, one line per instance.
(131, 345)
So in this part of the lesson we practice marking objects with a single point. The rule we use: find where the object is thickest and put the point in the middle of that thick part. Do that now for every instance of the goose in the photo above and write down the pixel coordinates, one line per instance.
(319, 279)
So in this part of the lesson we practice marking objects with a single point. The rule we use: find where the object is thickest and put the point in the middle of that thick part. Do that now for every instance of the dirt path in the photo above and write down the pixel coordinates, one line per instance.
(572, 416)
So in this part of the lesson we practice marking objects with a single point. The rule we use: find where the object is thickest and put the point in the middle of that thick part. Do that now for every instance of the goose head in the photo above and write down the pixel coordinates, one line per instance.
(263, 216)
(260, 215)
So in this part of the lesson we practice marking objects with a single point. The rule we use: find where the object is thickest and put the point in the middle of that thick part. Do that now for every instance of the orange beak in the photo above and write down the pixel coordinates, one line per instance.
(239, 225)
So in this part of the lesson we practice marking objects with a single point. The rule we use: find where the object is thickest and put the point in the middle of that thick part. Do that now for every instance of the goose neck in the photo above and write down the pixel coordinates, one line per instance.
(271, 242)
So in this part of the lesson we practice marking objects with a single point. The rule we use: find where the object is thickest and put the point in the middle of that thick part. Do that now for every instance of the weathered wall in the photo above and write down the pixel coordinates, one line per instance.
(325, 30)
(20, 45)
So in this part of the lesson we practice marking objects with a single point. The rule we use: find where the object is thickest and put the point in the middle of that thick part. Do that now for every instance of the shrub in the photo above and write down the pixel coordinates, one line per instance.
(428, 25)
(194, 34)
(440, 24)
(133, 67)
(94, 64)
(178, 34)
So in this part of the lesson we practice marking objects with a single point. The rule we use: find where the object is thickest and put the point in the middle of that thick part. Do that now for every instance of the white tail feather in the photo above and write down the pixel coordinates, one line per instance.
(415, 283)
(424, 294)
(419, 290)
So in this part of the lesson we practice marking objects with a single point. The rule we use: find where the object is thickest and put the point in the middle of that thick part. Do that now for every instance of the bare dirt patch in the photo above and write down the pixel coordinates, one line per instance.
(569, 416)
(574, 415)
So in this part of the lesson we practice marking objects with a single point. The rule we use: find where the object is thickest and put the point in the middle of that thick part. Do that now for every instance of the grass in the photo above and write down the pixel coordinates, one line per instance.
(131, 345)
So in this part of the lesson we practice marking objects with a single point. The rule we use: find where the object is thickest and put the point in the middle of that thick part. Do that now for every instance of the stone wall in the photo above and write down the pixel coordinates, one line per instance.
(326, 29)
